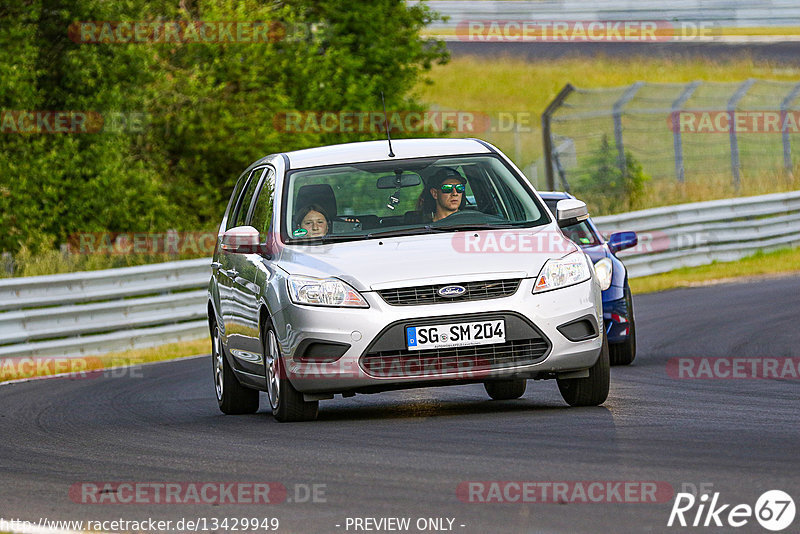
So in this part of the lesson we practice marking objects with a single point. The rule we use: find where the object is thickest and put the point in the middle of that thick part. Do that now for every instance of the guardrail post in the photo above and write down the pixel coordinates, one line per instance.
(618, 106)
(677, 142)
(732, 103)
(7, 261)
(787, 149)
(546, 135)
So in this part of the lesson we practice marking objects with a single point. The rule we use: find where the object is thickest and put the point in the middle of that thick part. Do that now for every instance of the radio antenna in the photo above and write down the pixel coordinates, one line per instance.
(386, 122)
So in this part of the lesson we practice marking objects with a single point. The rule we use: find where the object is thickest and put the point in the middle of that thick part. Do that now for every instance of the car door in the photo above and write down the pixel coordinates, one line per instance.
(233, 299)
(253, 272)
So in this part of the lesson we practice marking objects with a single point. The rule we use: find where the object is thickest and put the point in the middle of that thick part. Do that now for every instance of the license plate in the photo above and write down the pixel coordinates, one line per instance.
(456, 335)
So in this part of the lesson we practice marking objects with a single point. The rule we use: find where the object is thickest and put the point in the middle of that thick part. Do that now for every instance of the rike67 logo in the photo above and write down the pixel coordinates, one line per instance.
(774, 510)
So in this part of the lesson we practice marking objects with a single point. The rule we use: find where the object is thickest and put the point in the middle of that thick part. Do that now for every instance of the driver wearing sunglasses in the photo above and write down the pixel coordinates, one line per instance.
(447, 190)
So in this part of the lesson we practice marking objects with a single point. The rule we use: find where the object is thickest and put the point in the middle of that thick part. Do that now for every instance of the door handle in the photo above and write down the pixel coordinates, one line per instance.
(230, 273)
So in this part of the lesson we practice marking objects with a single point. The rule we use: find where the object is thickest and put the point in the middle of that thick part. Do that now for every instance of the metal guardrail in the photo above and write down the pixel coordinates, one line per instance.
(81, 314)
(700, 233)
(723, 13)
(96, 312)
(57, 289)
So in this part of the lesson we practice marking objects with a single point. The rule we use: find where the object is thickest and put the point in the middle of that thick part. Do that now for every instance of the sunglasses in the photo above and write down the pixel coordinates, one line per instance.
(448, 188)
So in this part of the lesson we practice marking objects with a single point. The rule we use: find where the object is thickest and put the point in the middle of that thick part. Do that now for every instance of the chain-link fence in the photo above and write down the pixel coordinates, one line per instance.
(643, 144)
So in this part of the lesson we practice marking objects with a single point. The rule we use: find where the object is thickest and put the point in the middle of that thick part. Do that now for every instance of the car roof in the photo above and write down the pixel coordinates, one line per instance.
(379, 151)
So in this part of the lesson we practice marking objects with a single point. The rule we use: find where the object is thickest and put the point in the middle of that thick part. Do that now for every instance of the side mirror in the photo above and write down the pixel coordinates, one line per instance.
(571, 211)
(240, 240)
(622, 240)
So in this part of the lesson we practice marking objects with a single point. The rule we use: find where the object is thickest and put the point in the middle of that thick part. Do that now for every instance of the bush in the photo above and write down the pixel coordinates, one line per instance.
(602, 184)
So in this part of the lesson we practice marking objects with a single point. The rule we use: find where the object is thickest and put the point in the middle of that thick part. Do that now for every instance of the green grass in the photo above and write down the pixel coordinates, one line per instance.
(512, 84)
(783, 261)
(29, 263)
(517, 85)
(508, 84)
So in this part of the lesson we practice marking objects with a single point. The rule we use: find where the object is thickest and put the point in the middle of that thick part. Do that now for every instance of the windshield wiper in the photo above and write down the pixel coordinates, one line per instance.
(479, 226)
(406, 231)
(327, 239)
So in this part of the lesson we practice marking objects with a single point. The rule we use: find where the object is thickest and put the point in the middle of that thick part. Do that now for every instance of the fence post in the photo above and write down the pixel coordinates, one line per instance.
(677, 141)
(546, 137)
(618, 105)
(562, 176)
(732, 103)
(787, 149)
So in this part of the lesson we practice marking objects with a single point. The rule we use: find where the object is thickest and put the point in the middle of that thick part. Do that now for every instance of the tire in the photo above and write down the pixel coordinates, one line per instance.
(592, 390)
(625, 352)
(288, 404)
(505, 389)
(232, 397)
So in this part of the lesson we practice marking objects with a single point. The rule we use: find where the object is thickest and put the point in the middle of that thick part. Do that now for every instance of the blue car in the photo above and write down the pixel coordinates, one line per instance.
(617, 301)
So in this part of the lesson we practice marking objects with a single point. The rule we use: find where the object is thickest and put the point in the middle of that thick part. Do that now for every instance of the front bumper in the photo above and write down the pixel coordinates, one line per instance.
(354, 333)
(617, 320)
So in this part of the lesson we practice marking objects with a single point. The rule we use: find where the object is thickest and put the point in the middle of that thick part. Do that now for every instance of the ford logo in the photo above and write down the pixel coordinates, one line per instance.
(452, 291)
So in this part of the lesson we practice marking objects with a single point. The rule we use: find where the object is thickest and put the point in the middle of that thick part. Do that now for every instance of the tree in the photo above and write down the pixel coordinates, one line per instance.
(210, 106)
(602, 183)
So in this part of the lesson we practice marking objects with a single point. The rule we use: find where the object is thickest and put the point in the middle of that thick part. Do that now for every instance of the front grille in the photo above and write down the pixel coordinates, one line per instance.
(464, 360)
(483, 290)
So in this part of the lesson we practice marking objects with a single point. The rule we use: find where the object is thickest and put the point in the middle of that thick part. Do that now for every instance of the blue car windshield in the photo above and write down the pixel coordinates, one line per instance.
(581, 234)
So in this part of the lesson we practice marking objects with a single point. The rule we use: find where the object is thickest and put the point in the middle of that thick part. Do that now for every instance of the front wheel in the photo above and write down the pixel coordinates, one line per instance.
(232, 397)
(505, 389)
(288, 404)
(592, 390)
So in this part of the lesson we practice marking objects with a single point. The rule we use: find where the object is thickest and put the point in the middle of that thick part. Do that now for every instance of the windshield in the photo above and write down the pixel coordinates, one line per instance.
(405, 197)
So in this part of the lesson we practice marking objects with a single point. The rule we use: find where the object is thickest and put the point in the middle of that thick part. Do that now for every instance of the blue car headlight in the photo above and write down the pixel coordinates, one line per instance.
(604, 269)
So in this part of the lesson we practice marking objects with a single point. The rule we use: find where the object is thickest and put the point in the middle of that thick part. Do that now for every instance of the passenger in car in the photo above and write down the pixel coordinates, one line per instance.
(313, 219)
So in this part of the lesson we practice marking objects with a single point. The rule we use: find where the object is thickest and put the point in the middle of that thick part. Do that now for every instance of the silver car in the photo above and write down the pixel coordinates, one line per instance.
(365, 267)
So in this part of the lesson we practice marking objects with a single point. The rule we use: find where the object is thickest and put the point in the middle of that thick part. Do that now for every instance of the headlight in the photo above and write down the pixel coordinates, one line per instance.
(324, 292)
(603, 269)
(556, 273)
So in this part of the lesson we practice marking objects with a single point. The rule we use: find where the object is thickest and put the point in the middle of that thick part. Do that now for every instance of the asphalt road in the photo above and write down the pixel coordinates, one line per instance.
(404, 454)
(787, 52)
